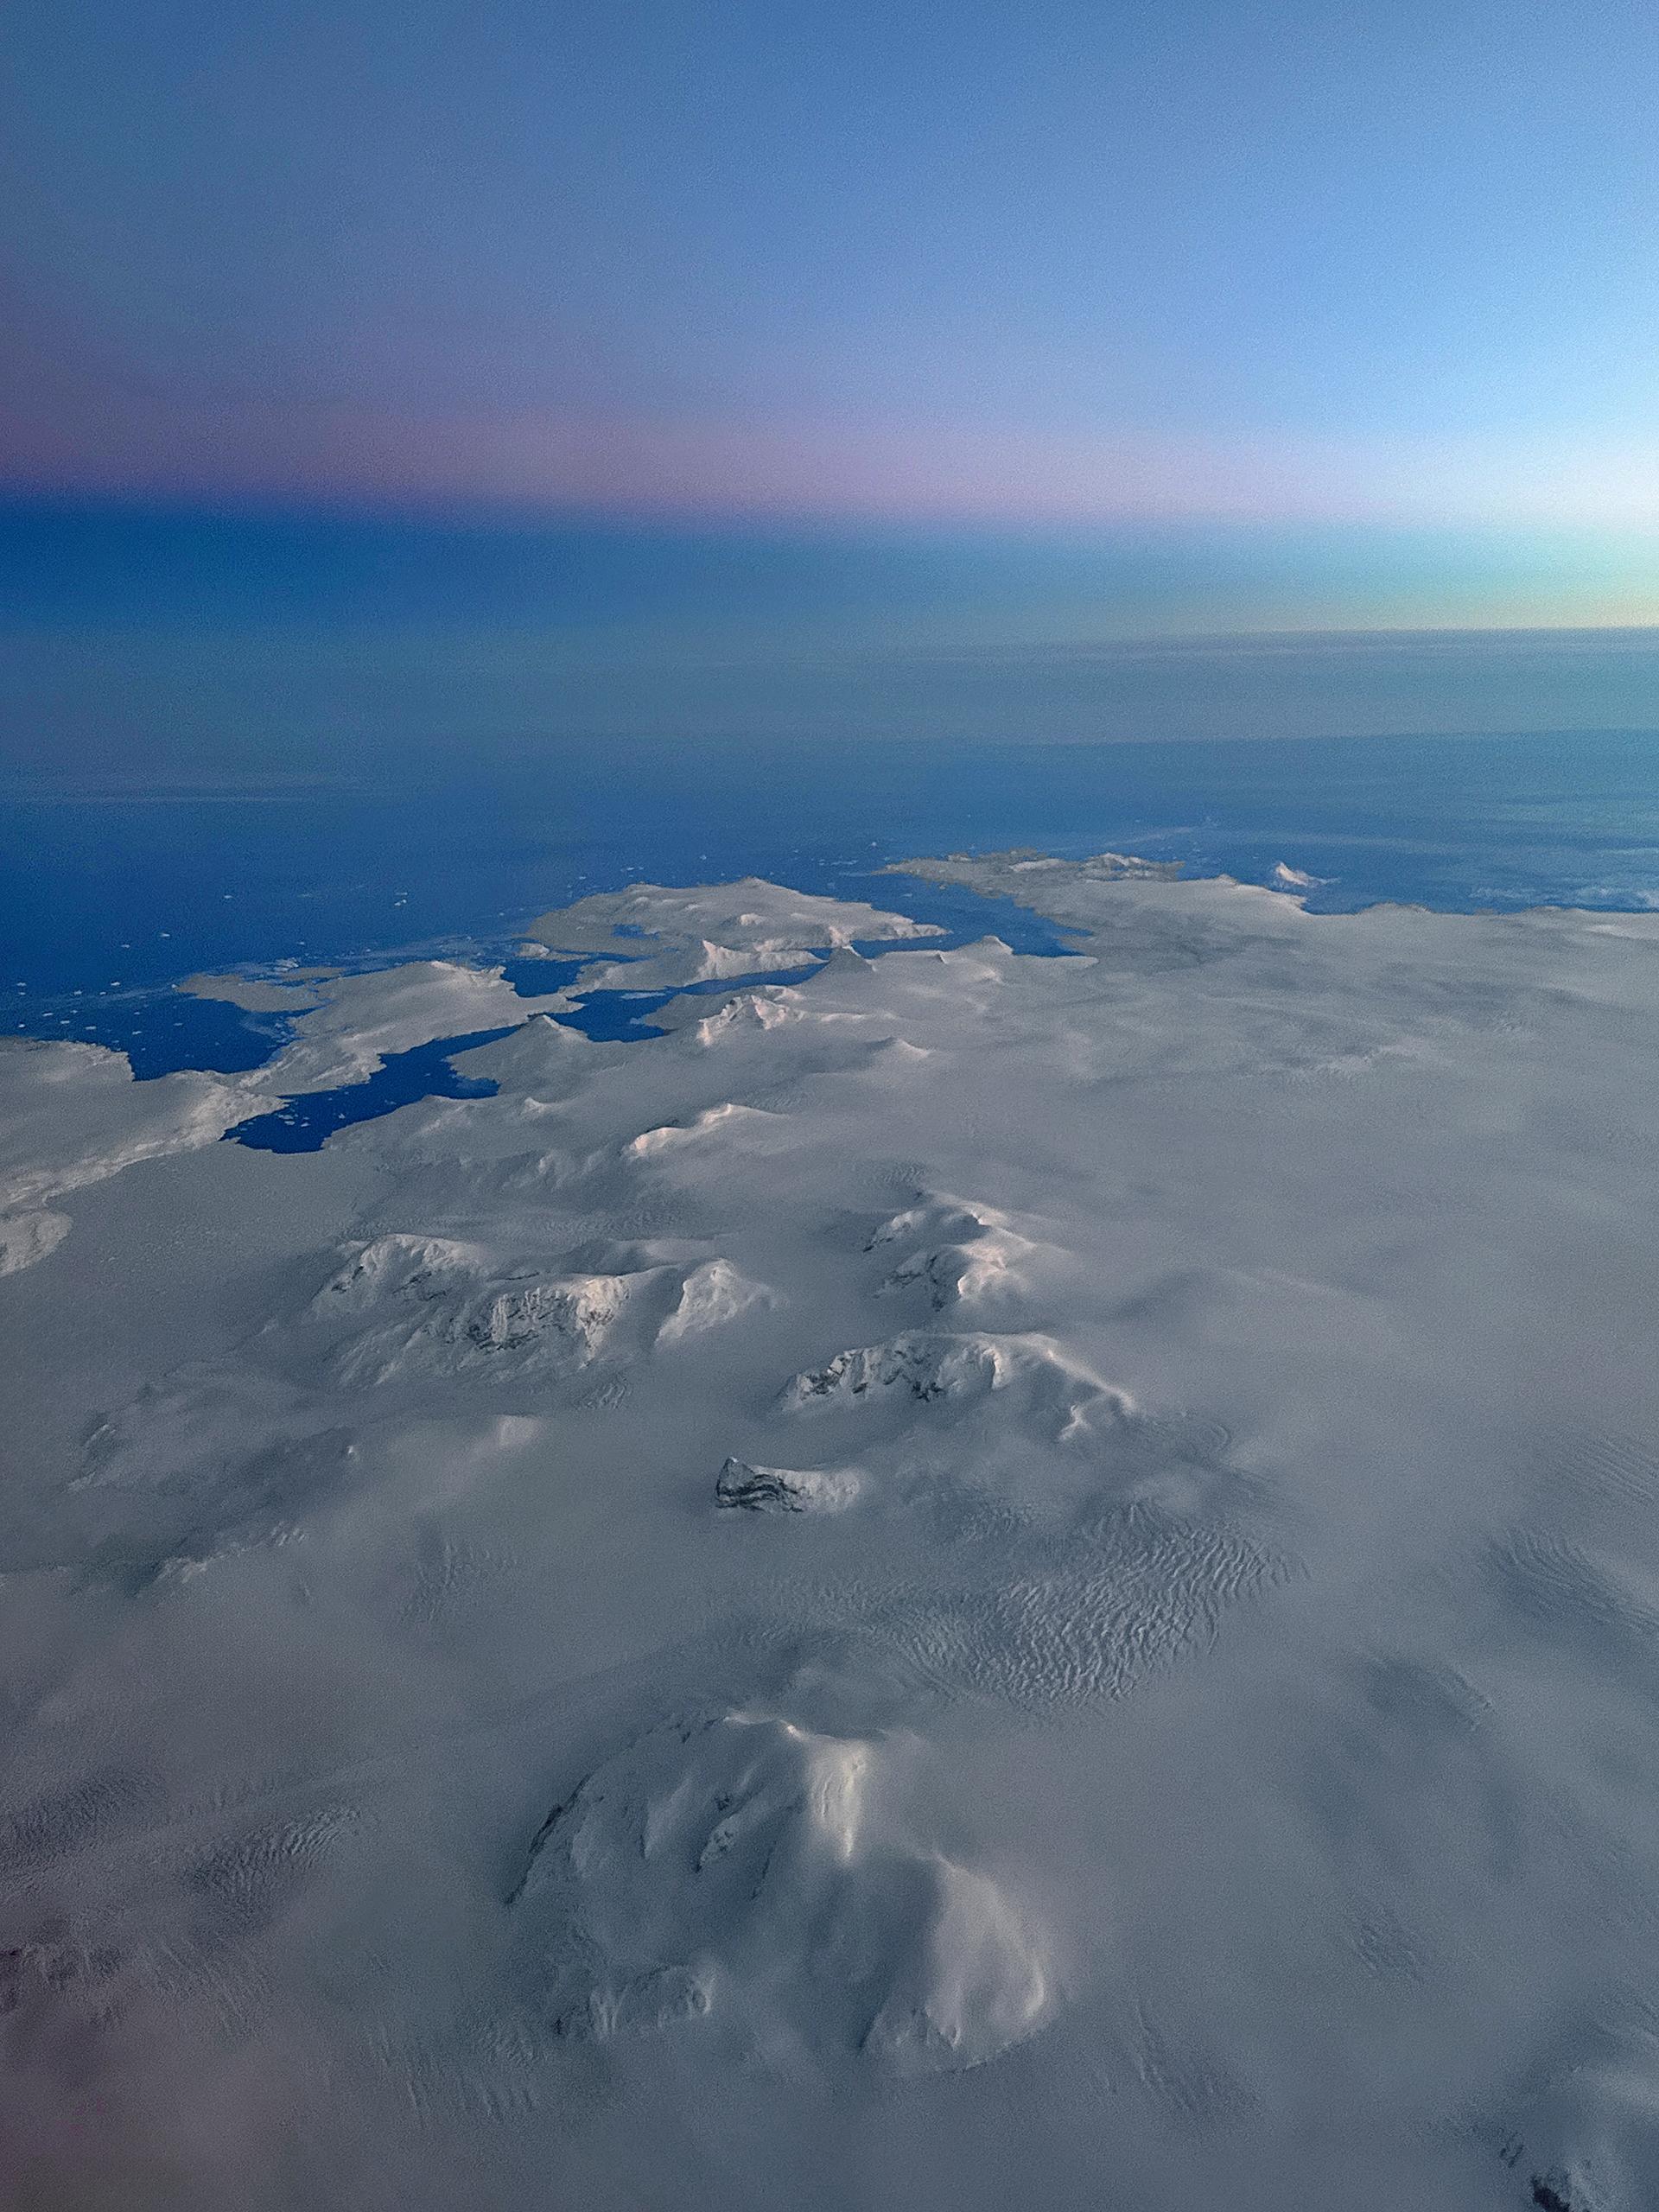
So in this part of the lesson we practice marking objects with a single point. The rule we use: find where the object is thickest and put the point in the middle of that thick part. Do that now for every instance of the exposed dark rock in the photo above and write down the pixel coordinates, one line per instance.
(759, 1490)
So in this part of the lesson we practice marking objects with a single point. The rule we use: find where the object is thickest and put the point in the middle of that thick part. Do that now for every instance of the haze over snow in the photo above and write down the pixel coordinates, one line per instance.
(974, 1580)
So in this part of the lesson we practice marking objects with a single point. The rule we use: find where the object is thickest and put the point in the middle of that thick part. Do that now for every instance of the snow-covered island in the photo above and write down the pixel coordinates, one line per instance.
(979, 1580)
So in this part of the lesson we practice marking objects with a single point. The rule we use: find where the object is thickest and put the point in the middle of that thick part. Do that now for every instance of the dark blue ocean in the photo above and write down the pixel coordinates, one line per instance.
(229, 741)
(109, 897)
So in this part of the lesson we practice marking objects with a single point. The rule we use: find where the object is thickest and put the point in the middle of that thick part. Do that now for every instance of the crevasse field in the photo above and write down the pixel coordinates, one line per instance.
(973, 1581)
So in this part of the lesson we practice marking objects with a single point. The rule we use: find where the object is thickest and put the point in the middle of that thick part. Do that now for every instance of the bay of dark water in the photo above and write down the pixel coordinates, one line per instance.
(110, 897)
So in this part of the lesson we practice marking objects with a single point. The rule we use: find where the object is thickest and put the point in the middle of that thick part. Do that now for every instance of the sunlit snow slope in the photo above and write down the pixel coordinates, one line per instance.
(976, 1581)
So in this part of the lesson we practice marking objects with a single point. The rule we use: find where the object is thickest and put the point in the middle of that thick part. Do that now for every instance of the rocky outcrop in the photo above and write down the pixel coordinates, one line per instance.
(785, 1489)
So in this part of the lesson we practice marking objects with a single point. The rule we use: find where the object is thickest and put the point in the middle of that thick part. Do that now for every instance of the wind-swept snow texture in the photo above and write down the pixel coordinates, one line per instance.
(970, 1582)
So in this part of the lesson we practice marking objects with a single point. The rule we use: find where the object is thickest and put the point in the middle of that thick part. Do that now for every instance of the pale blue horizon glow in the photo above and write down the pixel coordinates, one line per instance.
(1374, 264)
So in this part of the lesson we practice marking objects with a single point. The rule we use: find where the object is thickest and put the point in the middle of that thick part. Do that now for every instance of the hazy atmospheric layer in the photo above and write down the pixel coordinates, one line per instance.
(981, 1581)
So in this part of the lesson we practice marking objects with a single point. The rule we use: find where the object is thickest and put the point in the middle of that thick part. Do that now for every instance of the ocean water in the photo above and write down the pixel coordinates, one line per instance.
(305, 1123)
(111, 897)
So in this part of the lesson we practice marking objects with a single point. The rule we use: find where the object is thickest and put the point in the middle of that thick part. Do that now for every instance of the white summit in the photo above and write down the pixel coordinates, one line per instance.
(967, 1581)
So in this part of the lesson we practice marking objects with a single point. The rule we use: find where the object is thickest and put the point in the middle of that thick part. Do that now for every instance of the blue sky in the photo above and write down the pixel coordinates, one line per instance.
(1275, 262)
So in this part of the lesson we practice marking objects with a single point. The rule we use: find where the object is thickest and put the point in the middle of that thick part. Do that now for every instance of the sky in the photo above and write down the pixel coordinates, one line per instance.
(1285, 263)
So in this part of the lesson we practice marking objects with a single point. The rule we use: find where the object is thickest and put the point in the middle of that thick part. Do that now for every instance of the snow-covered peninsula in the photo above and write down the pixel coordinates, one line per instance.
(978, 1580)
